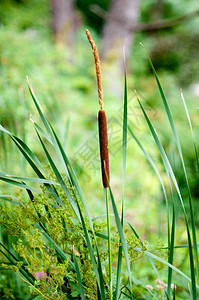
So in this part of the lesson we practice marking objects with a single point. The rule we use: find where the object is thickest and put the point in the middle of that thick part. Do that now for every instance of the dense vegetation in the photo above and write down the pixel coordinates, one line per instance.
(64, 82)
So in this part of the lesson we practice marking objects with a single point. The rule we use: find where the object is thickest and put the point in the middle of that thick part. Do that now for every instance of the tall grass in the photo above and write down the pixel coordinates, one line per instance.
(86, 267)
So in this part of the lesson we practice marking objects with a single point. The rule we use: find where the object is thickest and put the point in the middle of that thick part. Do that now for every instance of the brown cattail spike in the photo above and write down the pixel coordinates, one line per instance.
(98, 68)
(103, 139)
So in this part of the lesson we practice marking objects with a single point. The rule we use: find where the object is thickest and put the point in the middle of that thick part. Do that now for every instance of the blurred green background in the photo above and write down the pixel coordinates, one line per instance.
(63, 77)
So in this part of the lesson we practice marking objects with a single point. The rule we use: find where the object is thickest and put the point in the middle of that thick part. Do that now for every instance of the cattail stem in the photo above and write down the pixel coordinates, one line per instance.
(109, 244)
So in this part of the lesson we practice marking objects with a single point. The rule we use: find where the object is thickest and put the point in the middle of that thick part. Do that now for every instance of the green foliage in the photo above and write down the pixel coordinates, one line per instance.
(55, 277)
(33, 14)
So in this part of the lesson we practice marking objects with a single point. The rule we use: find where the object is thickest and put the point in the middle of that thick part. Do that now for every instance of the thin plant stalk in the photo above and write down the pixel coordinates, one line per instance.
(109, 243)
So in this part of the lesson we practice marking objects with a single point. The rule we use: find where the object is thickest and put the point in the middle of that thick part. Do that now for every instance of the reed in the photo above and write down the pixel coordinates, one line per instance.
(104, 155)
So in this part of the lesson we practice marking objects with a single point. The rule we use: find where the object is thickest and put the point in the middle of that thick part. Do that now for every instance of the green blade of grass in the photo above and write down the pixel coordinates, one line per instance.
(37, 104)
(136, 234)
(43, 133)
(172, 124)
(79, 278)
(127, 296)
(46, 124)
(37, 180)
(179, 246)
(124, 150)
(13, 259)
(147, 253)
(171, 254)
(191, 129)
(170, 171)
(164, 157)
(17, 183)
(25, 148)
(119, 268)
(124, 140)
(121, 234)
(73, 178)
(53, 244)
(5, 156)
(65, 138)
(159, 178)
(60, 179)
(174, 293)
(154, 267)
(33, 164)
(109, 243)
(97, 270)
(23, 128)
(197, 165)
(10, 198)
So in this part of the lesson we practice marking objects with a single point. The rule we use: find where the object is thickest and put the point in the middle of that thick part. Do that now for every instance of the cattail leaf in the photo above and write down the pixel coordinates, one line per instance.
(191, 129)
(170, 171)
(121, 234)
(148, 157)
(4, 161)
(179, 246)
(60, 179)
(38, 180)
(17, 183)
(174, 293)
(171, 253)
(32, 160)
(81, 289)
(124, 150)
(149, 254)
(30, 154)
(52, 189)
(127, 296)
(172, 125)
(13, 259)
(97, 270)
(124, 139)
(52, 243)
(24, 147)
(37, 104)
(43, 133)
(10, 198)
(48, 127)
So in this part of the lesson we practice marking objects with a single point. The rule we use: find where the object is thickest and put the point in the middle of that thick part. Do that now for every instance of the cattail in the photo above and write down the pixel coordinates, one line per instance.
(102, 123)
(103, 139)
